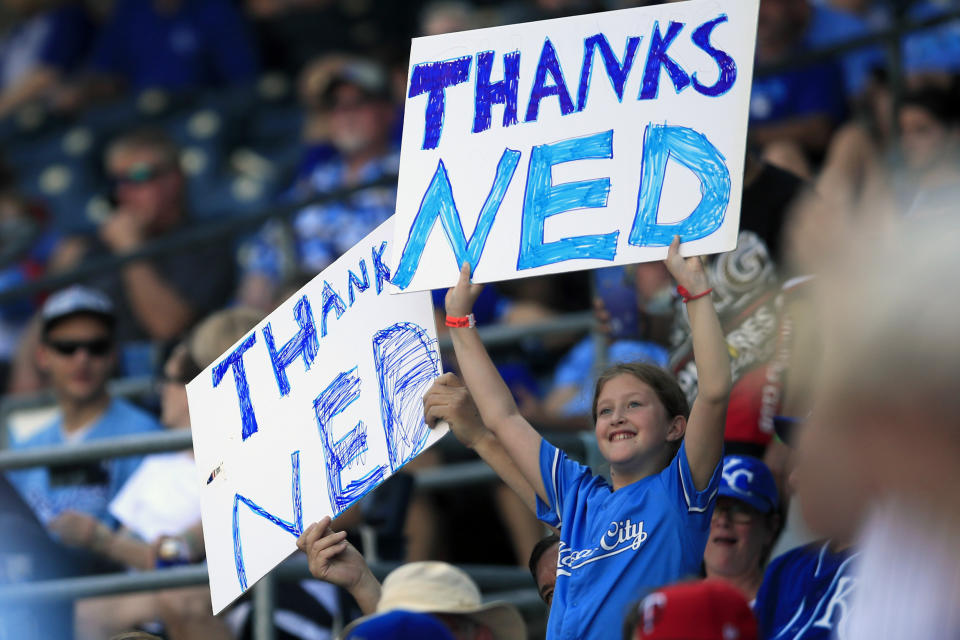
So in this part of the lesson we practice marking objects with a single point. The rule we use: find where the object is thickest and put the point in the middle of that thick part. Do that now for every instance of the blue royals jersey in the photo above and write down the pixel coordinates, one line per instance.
(806, 593)
(617, 545)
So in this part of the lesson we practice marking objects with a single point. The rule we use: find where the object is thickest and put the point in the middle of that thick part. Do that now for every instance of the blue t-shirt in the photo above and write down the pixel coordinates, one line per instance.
(806, 593)
(617, 545)
(202, 43)
(88, 488)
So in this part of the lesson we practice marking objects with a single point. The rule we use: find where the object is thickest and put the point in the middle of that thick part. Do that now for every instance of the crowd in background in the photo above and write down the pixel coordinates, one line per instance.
(125, 124)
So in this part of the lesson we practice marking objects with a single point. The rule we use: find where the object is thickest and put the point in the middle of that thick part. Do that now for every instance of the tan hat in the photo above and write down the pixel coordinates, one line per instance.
(438, 587)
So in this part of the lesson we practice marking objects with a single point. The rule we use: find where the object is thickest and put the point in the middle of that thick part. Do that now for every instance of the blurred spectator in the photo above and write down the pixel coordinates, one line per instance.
(437, 588)
(29, 248)
(744, 525)
(862, 175)
(356, 101)
(884, 435)
(930, 144)
(159, 508)
(78, 352)
(291, 33)
(47, 42)
(317, 148)
(447, 17)
(807, 592)
(175, 45)
(792, 113)
(543, 566)
(158, 298)
(707, 610)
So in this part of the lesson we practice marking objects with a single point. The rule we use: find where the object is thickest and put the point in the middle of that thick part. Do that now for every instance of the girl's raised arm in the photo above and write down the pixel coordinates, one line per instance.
(704, 434)
(493, 399)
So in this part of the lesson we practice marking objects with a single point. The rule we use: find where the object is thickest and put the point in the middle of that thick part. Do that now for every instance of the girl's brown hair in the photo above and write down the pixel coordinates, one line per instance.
(663, 383)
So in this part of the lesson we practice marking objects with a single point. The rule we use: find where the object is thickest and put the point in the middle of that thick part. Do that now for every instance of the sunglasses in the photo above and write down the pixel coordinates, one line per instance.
(140, 174)
(99, 347)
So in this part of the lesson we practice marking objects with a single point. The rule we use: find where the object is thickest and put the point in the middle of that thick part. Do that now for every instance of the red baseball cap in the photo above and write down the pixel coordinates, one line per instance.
(703, 610)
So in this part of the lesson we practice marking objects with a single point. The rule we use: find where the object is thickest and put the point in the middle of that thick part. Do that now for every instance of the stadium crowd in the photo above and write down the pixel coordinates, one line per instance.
(774, 428)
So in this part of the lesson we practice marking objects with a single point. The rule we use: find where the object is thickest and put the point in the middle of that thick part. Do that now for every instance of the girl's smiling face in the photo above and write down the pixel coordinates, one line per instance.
(632, 424)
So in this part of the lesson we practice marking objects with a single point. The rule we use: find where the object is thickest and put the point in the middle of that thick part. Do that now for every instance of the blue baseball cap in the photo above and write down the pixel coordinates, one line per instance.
(400, 625)
(748, 479)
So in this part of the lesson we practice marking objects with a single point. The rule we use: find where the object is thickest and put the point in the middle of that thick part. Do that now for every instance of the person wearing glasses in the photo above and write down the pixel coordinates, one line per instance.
(158, 299)
(744, 525)
(77, 353)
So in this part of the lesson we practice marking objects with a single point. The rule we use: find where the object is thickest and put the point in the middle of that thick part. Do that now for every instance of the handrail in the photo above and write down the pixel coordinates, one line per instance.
(487, 577)
(122, 387)
(132, 445)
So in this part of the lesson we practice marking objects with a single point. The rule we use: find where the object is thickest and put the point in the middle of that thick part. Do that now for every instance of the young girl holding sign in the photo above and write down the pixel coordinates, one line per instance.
(651, 526)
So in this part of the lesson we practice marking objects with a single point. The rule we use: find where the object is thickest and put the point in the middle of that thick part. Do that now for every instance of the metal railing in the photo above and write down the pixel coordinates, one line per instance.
(488, 578)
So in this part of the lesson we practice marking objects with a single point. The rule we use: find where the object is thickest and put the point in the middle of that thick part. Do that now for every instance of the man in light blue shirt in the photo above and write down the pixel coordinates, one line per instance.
(77, 352)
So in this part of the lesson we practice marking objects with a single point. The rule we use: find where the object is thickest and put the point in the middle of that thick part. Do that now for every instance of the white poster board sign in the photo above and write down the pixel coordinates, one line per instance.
(308, 412)
(574, 143)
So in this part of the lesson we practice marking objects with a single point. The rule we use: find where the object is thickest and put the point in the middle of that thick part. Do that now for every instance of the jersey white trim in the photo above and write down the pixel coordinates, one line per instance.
(686, 496)
(556, 487)
(816, 610)
(796, 616)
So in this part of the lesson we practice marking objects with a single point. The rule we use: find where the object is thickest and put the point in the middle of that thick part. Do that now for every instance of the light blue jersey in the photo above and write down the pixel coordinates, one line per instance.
(88, 488)
(617, 545)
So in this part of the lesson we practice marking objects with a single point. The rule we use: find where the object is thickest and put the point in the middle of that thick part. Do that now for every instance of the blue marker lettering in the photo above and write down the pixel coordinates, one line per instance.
(381, 271)
(726, 64)
(544, 199)
(487, 94)
(234, 361)
(406, 364)
(694, 151)
(331, 301)
(303, 344)
(434, 78)
(353, 281)
(438, 202)
(548, 64)
(657, 57)
(294, 528)
(340, 454)
(617, 73)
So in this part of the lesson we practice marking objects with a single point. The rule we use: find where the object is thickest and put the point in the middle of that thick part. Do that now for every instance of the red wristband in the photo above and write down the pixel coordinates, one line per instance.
(465, 322)
(687, 297)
